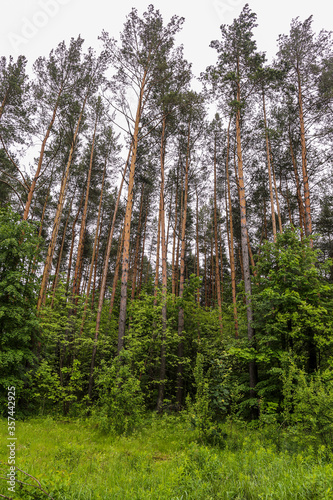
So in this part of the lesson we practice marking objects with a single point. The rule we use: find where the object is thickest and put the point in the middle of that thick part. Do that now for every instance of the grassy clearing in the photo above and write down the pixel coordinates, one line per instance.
(73, 460)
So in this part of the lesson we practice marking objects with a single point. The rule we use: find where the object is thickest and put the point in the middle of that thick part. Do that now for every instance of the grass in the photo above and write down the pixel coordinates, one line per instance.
(164, 460)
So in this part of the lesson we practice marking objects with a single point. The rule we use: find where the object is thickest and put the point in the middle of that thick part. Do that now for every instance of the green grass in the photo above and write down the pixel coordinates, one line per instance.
(74, 460)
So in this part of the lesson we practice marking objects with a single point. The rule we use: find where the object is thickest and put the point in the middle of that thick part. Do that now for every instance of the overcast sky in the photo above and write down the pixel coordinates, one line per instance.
(34, 27)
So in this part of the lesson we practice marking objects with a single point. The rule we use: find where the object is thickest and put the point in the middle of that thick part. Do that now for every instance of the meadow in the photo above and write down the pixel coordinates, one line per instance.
(164, 459)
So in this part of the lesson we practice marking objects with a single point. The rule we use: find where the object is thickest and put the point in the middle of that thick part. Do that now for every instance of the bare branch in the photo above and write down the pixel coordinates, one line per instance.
(28, 484)
(8, 498)
(14, 178)
(13, 162)
(11, 187)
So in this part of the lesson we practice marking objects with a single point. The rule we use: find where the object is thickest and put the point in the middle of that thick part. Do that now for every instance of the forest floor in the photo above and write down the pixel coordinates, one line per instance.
(164, 460)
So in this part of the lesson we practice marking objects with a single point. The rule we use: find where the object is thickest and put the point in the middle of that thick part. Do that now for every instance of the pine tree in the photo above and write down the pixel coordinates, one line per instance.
(237, 65)
(302, 54)
(145, 43)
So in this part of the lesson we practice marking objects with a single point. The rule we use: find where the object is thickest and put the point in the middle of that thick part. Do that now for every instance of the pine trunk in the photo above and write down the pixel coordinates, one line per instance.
(217, 268)
(298, 187)
(56, 223)
(157, 263)
(161, 386)
(105, 273)
(244, 244)
(57, 271)
(94, 250)
(76, 281)
(308, 222)
(143, 251)
(41, 156)
(271, 195)
(116, 273)
(197, 244)
(4, 100)
(137, 246)
(205, 273)
(128, 217)
(231, 237)
(174, 239)
(95, 265)
(182, 278)
(69, 268)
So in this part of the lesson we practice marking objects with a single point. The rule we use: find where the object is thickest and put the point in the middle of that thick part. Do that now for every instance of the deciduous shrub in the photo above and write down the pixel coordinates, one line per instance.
(19, 325)
(121, 404)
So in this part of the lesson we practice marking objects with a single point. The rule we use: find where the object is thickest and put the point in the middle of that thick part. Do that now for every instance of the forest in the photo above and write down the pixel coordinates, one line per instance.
(166, 273)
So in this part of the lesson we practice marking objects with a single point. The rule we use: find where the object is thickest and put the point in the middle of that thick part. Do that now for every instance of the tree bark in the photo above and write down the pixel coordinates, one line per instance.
(217, 269)
(69, 268)
(95, 264)
(143, 252)
(174, 238)
(197, 242)
(298, 188)
(182, 276)
(244, 240)
(157, 264)
(33, 269)
(76, 281)
(231, 237)
(94, 250)
(128, 217)
(161, 386)
(221, 258)
(205, 273)
(269, 169)
(137, 246)
(308, 222)
(56, 277)
(211, 273)
(116, 273)
(276, 196)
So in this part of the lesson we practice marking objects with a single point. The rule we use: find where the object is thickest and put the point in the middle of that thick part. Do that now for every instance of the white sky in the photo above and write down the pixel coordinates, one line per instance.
(34, 27)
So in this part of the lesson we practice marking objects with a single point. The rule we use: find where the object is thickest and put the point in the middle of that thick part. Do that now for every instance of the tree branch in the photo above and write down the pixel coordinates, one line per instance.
(11, 187)
(28, 484)
(14, 178)
(13, 162)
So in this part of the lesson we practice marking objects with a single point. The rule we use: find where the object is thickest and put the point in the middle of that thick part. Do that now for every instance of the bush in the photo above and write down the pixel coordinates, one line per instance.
(211, 401)
(48, 393)
(293, 306)
(19, 325)
(121, 403)
(308, 404)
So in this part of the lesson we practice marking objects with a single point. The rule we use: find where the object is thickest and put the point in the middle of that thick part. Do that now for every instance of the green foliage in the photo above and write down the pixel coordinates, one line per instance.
(45, 387)
(308, 404)
(143, 339)
(211, 400)
(48, 392)
(66, 353)
(219, 388)
(121, 405)
(19, 325)
(199, 412)
(162, 461)
(293, 308)
(73, 388)
(292, 297)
